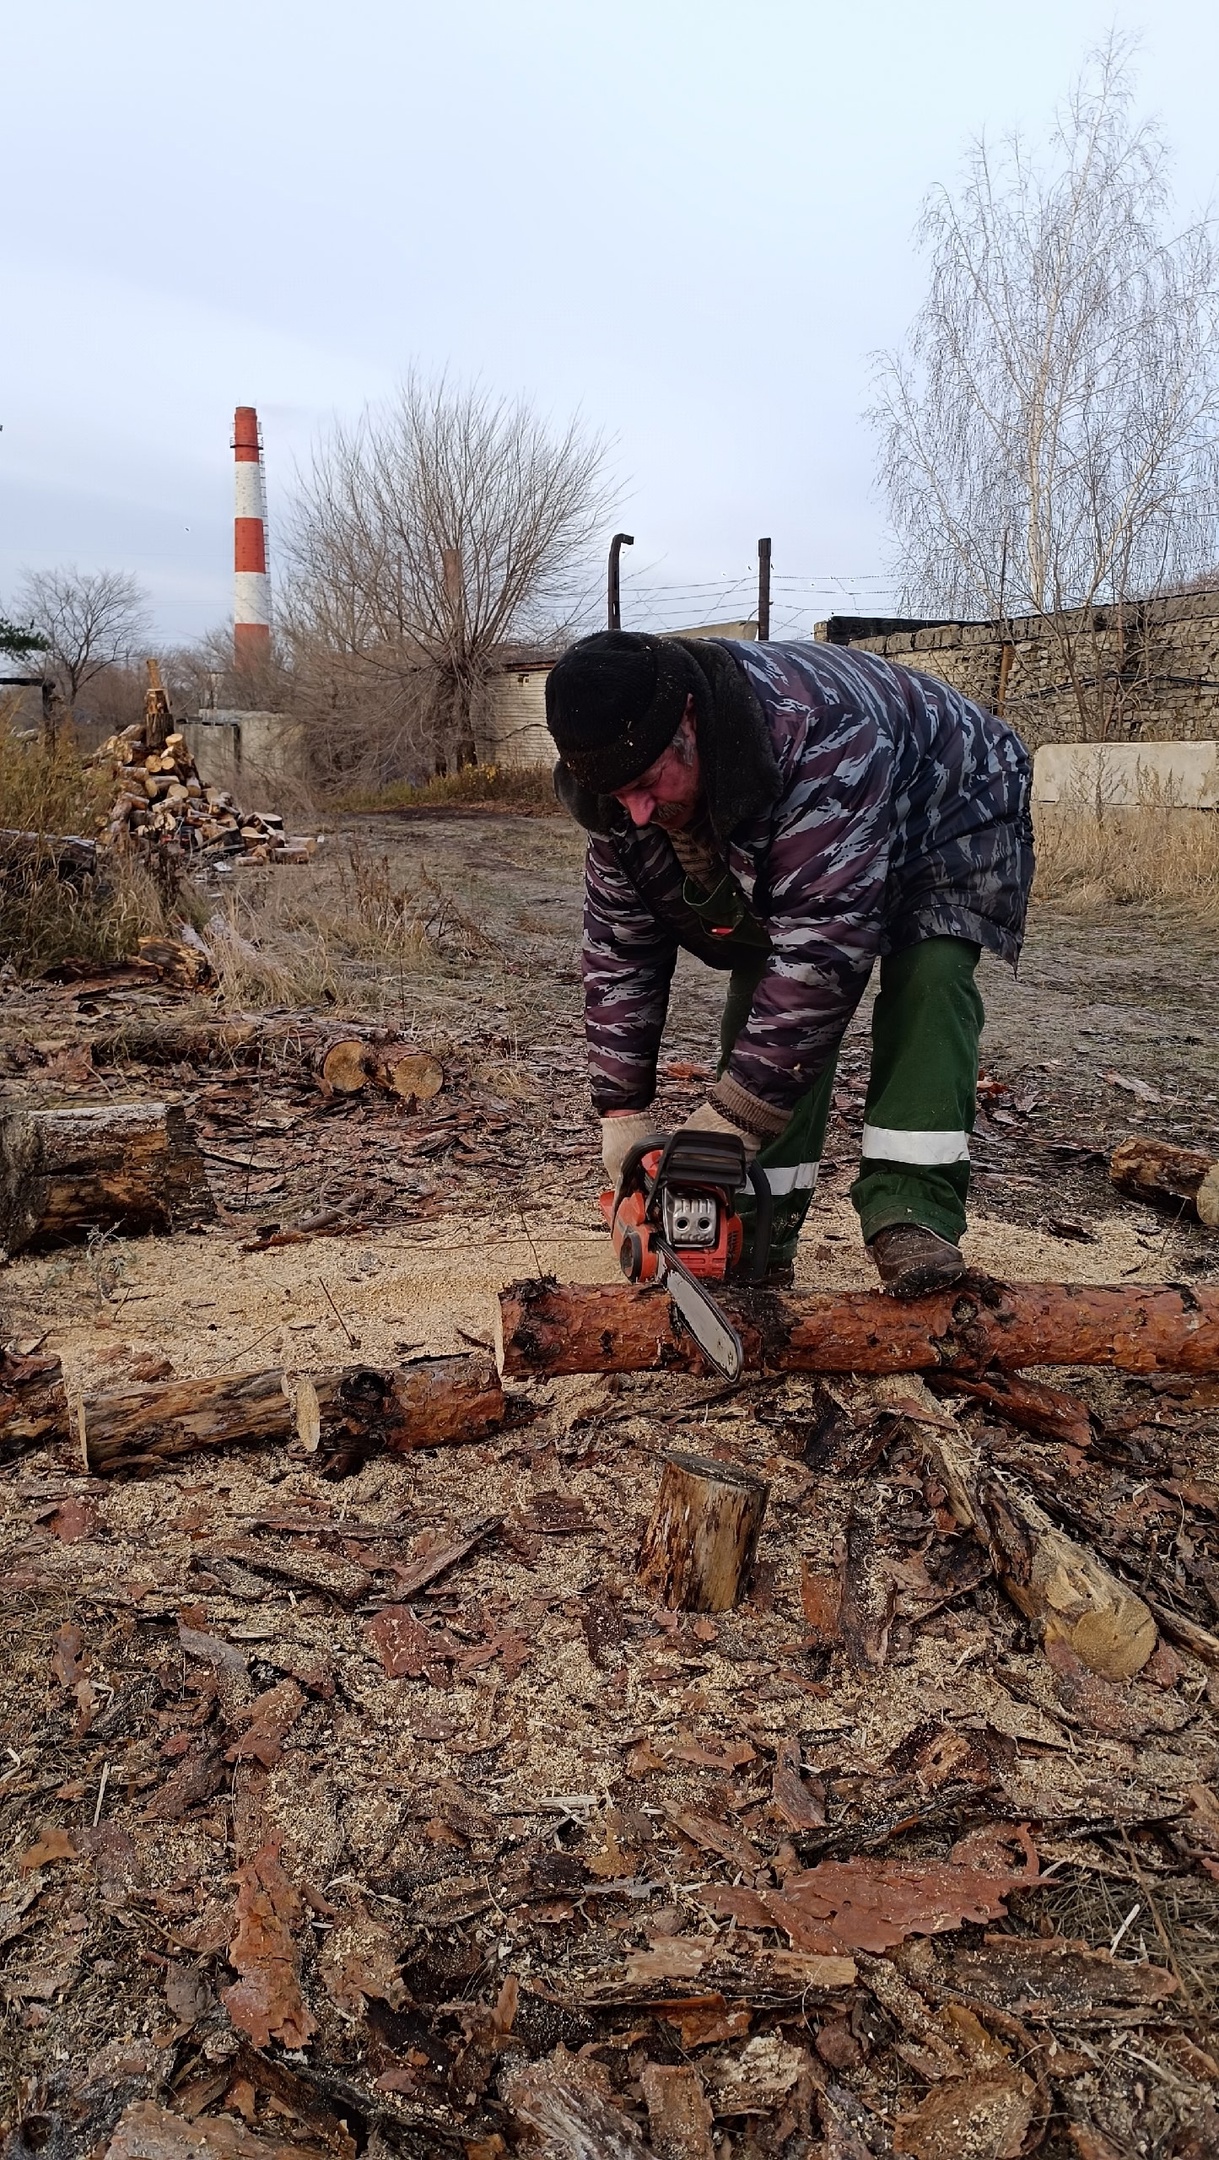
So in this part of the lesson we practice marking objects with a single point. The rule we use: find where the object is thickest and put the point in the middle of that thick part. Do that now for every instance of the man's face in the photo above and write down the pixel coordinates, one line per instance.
(668, 793)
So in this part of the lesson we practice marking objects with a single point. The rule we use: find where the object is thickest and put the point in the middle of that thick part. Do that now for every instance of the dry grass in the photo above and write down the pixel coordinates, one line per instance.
(1155, 855)
(525, 788)
(46, 917)
(353, 936)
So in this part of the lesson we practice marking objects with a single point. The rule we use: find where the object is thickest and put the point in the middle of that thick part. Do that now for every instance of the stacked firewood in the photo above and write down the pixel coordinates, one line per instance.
(161, 799)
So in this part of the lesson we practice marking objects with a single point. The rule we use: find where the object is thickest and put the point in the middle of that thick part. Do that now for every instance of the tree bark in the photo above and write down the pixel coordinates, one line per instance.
(1183, 1179)
(127, 1166)
(1050, 1412)
(344, 1417)
(698, 1547)
(138, 1429)
(548, 1328)
(33, 1408)
(1064, 1589)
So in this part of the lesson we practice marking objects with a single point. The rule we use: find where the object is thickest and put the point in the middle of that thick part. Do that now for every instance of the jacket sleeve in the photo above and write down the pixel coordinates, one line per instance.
(829, 863)
(628, 963)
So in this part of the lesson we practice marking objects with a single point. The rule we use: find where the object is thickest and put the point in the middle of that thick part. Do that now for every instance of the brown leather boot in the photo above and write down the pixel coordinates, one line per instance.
(911, 1260)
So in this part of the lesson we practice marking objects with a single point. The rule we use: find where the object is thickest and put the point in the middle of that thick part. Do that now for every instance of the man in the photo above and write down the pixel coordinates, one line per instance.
(791, 814)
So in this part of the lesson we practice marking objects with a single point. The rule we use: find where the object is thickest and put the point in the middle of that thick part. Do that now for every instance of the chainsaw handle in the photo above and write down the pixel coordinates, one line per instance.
(764, 1215)
(632, 1163)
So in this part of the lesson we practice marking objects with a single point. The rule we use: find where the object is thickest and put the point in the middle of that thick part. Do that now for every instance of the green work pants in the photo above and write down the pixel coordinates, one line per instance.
(921, 1098)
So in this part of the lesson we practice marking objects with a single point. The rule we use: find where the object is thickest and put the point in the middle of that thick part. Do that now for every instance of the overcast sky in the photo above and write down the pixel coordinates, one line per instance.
(689, 220)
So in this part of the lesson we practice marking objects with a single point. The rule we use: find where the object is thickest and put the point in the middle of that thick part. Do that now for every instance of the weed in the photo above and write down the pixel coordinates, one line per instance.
(50, 911)
(527, 788)
(1091, 855)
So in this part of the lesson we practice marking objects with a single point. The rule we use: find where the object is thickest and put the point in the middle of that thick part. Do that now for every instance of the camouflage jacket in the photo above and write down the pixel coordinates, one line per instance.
(859, 807)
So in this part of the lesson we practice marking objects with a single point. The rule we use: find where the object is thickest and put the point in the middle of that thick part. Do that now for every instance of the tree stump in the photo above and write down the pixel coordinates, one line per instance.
(699, 1545)
(1177, 1177)
(127, 1166)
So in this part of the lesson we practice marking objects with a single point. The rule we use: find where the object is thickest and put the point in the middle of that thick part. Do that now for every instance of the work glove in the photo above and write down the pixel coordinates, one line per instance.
(620, 1132)
(708, 1119)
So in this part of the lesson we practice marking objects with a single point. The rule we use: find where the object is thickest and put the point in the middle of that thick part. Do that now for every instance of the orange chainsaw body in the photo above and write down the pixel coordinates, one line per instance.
(695, 1219)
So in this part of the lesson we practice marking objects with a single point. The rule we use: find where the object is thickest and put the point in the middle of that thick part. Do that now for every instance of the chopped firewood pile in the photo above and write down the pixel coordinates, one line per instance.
(411, 1752)
(162, 801)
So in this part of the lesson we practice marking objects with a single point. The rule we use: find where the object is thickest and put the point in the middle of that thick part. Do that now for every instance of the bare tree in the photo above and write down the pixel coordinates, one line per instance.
(90, 619)
(424, 538)
(1050, 432)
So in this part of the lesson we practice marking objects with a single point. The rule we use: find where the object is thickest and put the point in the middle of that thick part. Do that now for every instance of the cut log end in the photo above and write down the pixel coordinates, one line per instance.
(1183, 1179)
(346, 1067)
(410, 1073)
(699, 1546)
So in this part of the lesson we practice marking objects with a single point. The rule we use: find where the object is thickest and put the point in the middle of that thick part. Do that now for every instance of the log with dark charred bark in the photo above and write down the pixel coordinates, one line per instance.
(341, 1417)
(1049, 1412)
(128, 1166)
(547, 1328)
(344, 1417)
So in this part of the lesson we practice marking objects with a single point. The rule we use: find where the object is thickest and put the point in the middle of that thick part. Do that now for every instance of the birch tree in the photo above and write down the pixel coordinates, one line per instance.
(1050, 429)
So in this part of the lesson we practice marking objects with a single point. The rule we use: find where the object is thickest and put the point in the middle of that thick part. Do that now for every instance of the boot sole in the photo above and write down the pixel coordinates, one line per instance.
(916, 1282)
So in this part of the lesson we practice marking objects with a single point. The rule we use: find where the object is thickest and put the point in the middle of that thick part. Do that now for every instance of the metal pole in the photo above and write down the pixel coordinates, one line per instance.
(619, 541)
(763, 591)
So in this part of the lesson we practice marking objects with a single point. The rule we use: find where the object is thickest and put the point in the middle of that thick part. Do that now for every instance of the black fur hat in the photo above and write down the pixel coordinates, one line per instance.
(615, 701)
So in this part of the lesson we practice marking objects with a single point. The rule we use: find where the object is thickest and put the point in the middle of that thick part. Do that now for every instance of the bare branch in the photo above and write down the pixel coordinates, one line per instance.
(424, 538)
(92, 620)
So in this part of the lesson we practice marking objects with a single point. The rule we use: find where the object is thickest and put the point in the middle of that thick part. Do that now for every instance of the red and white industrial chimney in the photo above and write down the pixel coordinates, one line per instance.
(251, 584)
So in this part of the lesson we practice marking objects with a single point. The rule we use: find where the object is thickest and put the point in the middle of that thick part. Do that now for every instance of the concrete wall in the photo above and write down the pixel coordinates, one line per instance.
(515, 728)
(1166, 651)
(1128, 776)
(258, 756)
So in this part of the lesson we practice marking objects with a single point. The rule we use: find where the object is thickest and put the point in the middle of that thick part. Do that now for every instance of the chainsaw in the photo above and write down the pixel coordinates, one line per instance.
(673, 1220)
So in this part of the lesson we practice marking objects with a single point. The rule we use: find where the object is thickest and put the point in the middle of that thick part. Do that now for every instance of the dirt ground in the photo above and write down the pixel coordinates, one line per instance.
(736, 1891)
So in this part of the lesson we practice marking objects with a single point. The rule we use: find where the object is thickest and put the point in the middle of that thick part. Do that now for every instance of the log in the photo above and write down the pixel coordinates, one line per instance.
(556, 2102)
(138, 1429)
(353, 1063)
(128, 1166)
(346, 1067)
(1183, 1179)
(344, 1417)
(698, 1547)
(544, 1327)
(1067, 1593)
(33, 1407)
(409, 1073)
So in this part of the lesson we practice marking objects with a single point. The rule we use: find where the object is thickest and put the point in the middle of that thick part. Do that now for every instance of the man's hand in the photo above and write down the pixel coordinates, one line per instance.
(620, 1132)
(708, 1119)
